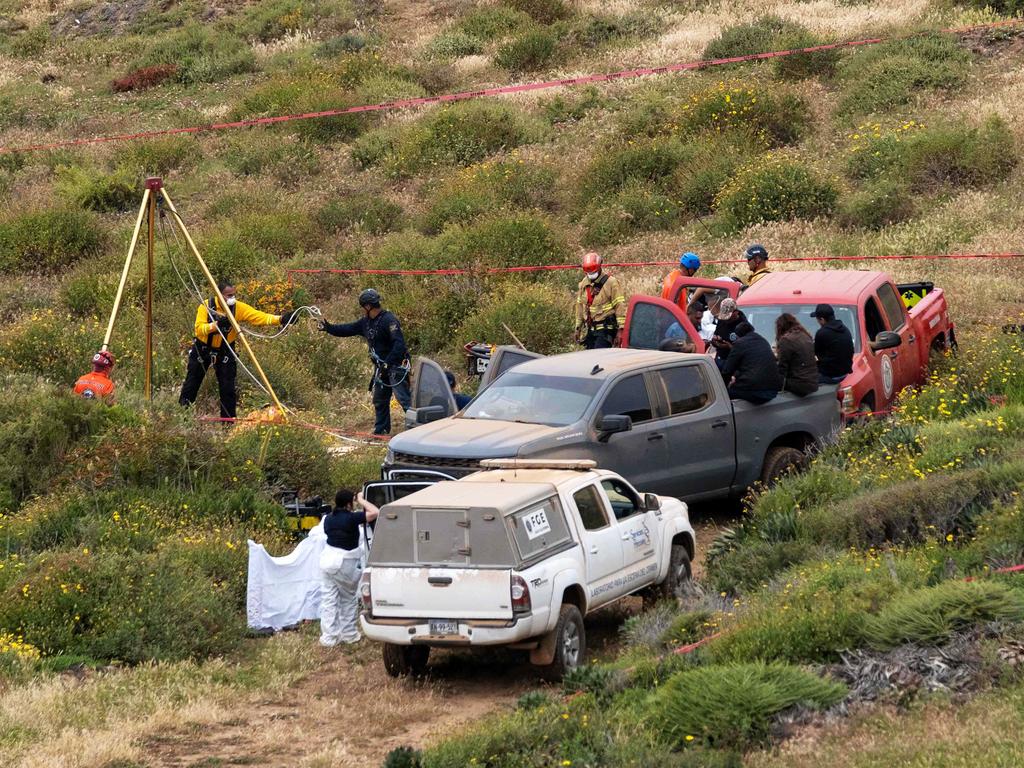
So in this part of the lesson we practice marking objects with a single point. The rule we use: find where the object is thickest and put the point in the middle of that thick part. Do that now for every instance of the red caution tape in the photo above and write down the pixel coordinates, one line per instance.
(638, 264)
(463, 95)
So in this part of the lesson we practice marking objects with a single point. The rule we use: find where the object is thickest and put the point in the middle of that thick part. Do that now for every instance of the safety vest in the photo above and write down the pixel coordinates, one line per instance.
(206, 327)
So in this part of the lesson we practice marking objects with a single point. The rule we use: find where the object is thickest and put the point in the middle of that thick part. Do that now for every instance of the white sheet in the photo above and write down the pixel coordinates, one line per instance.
(285, 590)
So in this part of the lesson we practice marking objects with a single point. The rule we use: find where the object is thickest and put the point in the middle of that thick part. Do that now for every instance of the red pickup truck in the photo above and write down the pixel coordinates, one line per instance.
(895, 327)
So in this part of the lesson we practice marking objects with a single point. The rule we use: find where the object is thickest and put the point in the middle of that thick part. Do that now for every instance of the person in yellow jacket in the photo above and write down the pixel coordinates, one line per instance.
(209, 347)
(600, 306)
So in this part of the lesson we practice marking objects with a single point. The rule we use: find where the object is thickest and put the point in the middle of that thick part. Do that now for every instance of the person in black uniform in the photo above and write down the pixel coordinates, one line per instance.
(383, 334)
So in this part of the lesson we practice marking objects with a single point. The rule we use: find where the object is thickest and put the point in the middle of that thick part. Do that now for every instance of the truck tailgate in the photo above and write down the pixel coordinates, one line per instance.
(441, 593)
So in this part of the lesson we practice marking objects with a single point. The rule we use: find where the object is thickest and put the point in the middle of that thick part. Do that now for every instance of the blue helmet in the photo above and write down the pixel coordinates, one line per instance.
(689, 260)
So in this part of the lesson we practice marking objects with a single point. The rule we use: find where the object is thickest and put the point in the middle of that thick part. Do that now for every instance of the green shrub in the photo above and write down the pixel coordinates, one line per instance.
(460, 134)
(528, 52)
(593, 31)
(350, 42)
(733, 706)
(486, 188)
(775, 189)
(770, 33)
(538, 315)
(544, 11)
(431, 309)
(291, 457)
(132, 607)
(203, 54)
(566, 108)
(893, 73)
(365, 212)
(617, 167)
(645, 630)
(753, 563)
(518, 239)
(879, 204)
(455, 43)
(160, 156)
(636, 207)
(289, 160)
(689, 627)
(930, 159)
(486, 23)
(48, 240)
(97, 191)
(89, 292)
(931, 615)
(271, 19)
(38, 427)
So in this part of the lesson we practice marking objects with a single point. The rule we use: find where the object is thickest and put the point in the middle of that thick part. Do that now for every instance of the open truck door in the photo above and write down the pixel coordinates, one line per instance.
(651, 322)
(505, 357)
(432, 397)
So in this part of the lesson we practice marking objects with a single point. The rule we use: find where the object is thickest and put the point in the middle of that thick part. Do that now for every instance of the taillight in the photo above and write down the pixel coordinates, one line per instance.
(520, 595)
(846, 396)
(365, 595)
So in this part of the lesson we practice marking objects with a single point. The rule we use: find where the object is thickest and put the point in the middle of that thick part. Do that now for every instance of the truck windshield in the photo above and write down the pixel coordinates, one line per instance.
(533, 398)
(763, 316)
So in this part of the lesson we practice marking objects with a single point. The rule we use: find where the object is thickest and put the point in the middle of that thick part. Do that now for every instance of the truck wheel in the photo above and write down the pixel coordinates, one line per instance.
(570, 643)
(779, 462)
(679, 574)
(400, 660)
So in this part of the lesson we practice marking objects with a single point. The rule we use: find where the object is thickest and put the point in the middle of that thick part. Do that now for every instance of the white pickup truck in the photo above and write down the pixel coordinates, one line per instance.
(516, 555)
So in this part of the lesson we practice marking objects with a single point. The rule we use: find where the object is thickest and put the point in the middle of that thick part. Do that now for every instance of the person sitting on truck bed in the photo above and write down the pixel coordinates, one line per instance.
(751, 367)
(341, 569)
(795, 349)
(729, 317)
(833, 345)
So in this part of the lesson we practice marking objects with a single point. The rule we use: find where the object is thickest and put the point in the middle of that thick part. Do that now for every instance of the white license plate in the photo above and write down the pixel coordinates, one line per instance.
(444, 627)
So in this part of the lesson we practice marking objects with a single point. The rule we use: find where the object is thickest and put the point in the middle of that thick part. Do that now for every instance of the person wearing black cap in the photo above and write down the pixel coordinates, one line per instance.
(757, 262)
(833, 346)
(383, 335)
(751, 371)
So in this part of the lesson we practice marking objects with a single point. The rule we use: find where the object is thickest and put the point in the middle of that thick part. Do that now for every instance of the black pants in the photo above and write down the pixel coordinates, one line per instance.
(599, 338)
(382, 393)
(224, 365)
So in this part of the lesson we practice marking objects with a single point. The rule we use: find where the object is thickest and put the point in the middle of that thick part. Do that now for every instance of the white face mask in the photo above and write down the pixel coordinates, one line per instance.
(230, 301)
(593, 275)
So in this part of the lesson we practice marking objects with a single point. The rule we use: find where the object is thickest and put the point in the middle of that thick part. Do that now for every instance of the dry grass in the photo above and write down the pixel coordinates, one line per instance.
(984, 731)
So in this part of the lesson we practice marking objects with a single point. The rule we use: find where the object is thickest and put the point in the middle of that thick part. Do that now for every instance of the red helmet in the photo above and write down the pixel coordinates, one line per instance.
(103, 360)
(592, 262)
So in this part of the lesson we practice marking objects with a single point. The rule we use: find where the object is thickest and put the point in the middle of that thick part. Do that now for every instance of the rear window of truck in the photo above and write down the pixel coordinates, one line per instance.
(763, 317)
(538, 529)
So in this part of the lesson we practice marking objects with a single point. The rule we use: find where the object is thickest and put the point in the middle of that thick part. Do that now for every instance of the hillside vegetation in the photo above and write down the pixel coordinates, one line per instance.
(123, 529)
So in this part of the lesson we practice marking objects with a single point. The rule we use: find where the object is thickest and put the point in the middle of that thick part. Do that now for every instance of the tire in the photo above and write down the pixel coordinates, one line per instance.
(779, 462)
(570, 643)
(680, 572)
(401, 660)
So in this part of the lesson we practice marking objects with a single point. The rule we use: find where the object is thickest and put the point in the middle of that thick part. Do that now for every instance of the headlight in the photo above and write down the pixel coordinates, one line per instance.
(389, 457)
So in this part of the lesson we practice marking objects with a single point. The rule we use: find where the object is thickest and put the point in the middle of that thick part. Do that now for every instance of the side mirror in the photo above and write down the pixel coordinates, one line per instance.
(610, 425)
(887, 340)
(651, 502)
(429, 413)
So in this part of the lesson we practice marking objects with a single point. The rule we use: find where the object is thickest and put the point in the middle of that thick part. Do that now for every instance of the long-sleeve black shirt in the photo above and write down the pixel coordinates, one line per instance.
(833, 345)
(753, 364)
(383, 334)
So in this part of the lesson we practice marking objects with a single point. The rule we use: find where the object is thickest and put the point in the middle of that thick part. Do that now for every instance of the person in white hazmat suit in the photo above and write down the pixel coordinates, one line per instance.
(341, 567)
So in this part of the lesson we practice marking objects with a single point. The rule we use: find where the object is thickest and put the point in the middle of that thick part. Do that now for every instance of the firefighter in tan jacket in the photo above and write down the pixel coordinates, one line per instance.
(600, 306)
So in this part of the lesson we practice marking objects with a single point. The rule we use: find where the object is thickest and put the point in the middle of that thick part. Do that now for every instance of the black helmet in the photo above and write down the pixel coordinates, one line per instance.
(369, 296)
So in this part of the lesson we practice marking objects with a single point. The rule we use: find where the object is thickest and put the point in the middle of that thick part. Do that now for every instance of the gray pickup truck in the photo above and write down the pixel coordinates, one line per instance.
(663, 420)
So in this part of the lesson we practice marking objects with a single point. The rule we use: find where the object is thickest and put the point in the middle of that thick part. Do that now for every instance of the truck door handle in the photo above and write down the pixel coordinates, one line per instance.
(439, 581)
(720, 424)
(912, 339)
(593, 550)
(655, 436)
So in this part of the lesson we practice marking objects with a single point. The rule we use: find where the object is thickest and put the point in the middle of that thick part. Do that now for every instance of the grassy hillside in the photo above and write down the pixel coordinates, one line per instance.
(122, 531)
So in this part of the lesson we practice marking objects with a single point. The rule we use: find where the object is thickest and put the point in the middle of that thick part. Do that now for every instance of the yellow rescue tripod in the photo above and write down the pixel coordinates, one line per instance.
(153, 193)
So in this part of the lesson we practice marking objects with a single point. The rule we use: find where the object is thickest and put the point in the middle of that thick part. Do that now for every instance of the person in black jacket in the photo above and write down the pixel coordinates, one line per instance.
(383, 335)
(751, 370)
(833, 345)
(729, 318)
(795, 350)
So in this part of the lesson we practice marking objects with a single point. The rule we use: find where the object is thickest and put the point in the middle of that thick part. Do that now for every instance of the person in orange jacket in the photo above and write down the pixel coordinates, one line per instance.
(214, 345)
(689, 263)
(97, 384)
